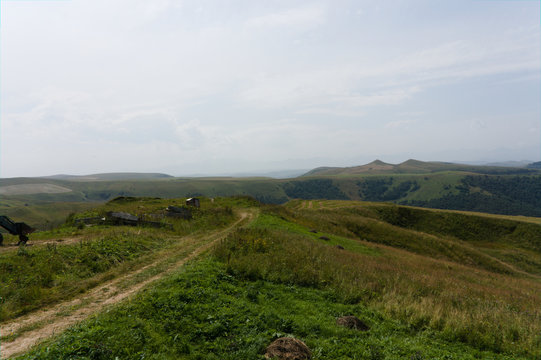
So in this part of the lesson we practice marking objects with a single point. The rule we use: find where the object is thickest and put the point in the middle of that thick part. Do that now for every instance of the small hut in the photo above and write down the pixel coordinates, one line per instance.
(192, 202)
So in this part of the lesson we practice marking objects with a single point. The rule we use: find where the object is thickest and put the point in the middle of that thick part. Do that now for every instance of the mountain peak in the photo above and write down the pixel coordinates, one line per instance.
(412, 162)
(378, 163)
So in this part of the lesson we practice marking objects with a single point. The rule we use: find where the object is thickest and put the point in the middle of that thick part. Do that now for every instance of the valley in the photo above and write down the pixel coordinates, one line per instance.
(489, 189)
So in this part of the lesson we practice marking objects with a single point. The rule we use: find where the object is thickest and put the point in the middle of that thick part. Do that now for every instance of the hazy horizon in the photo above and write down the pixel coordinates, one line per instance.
(285, 172)
(213, 87)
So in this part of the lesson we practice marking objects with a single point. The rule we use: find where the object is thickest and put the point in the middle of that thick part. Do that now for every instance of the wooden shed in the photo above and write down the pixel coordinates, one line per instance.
(192, 202)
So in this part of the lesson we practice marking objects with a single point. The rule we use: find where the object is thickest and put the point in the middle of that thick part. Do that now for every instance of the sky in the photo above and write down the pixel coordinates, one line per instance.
(226, 86)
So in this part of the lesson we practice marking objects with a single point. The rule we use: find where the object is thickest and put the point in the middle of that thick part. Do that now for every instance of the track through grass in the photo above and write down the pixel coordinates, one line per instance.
(48, 322)
(206, 312)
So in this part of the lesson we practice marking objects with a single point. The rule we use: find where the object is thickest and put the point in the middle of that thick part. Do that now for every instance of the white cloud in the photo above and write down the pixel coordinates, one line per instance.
(169, 80)
(306, 16)
(400, 124)
(477, 124)
(386, 97)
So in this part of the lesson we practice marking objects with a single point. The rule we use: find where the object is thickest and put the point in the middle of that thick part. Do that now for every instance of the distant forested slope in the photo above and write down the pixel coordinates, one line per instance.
(518, 195)
(314, 189)
(510, 194)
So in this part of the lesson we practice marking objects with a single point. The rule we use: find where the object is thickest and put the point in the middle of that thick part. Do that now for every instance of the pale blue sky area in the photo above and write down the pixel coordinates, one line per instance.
(214, 87)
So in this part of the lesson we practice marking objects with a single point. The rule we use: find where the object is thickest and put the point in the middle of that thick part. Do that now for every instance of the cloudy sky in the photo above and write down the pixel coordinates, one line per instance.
(225, 86)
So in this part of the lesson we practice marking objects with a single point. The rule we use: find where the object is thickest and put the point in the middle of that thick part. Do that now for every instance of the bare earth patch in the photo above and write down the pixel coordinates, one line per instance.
(60, 241)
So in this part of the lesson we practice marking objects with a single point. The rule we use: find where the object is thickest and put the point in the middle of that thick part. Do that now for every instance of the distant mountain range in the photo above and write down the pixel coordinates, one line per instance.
(376, 167)
(523, 163)
(412, 166)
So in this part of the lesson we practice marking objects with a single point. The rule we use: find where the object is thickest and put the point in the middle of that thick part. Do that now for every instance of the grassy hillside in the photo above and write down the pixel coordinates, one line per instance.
(429, 284)
(43, 215)
(411, 166)
(43, 210)
(498, 194)
(411, 183)
(110, 177)
(498, 244)
(62, 262)
(469, 278)
(167, 187)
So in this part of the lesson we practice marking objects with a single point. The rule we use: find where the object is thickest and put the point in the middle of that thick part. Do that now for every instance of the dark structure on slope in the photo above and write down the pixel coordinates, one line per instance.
(16, 228)
(193, 202)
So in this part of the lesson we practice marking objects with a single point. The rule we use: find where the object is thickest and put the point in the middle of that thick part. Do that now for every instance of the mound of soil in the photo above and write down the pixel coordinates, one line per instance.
(324, 238)
(340, 247)
(287, 348)
(352, 322)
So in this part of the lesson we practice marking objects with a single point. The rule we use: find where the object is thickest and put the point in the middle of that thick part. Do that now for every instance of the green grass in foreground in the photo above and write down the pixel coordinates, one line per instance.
(35, 276)
(269, 222)
(275, 277)
(470, 304)
(204, 312)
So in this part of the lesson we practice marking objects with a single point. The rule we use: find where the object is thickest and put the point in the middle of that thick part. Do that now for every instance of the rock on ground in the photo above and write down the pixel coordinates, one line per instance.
(287, 348)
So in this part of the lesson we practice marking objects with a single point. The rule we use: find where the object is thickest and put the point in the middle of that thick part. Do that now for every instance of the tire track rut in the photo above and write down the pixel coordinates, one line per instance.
(46, 323)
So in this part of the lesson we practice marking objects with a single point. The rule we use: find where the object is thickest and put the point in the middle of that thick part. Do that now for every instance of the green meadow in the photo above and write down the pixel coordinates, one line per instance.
(429, 284)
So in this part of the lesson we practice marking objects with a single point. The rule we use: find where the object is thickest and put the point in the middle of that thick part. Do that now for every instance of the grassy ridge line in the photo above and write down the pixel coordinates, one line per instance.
(107, 293)
(495, 244)
(414, 166)
(461, 303)
(340, 204)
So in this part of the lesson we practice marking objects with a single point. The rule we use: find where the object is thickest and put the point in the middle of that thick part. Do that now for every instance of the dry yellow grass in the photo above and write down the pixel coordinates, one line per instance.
(338, 204)
(488, 309)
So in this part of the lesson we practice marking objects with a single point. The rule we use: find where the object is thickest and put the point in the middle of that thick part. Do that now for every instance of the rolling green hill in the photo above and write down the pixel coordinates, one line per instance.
(415, 167)
(110, 177)
(429, 284)
(498, 190)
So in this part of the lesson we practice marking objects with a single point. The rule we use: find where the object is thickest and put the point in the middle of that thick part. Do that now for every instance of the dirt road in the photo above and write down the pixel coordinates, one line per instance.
(60, 241)
(31, 329)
